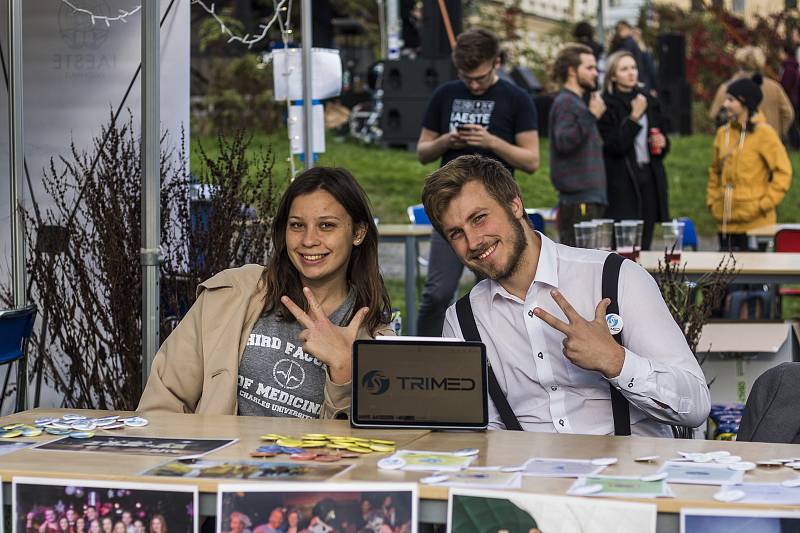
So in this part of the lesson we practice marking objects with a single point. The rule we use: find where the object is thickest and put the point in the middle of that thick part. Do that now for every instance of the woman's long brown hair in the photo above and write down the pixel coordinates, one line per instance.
(363, 274)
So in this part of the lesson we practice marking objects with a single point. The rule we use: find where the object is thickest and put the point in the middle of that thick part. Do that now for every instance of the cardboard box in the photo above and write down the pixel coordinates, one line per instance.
(739, 352)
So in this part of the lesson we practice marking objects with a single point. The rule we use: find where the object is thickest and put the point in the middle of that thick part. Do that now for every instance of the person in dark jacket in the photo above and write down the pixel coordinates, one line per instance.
(790, 81)
(634, 146)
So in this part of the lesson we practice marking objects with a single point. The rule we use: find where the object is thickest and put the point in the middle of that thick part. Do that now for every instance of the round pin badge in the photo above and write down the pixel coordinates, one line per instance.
(391, 463)
(791, 482)
(604, 461)
(658, 476)
(614, 322)
(81, 434)
(466, 452)
(647, 458)
(136, 422)
(431, 480)
(726, 495)
(744, 466)
(585, 490)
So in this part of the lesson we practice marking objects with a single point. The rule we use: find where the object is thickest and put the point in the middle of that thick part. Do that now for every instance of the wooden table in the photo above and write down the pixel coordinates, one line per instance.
(496, 448)
(409, 234)
(753, 267)
(766, 234)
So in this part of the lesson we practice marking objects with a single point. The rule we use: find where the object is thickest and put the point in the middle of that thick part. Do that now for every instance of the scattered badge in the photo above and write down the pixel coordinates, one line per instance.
(391, 463)
(437, 478)
(728, 495)
(604, 461)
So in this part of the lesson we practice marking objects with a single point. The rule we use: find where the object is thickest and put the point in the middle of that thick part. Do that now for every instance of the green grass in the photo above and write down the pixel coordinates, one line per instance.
(393, 178)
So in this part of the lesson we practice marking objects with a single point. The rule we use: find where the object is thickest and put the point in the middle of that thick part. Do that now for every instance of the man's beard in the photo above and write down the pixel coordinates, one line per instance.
(518, 246)
(587, 85)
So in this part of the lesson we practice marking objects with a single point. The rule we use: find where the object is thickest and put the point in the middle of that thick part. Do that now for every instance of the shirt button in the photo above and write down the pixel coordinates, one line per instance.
(554, 388)
(561, 422)
(540, 355)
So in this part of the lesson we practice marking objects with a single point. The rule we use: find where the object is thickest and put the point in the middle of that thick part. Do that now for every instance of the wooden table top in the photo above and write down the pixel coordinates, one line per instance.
(770, 229)
(746, 262)
(496, 448)
(119, 467)
(404, 230)
(513, 448)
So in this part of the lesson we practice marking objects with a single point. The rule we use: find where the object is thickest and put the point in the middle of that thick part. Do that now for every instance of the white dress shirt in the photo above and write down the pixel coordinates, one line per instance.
(660, 376)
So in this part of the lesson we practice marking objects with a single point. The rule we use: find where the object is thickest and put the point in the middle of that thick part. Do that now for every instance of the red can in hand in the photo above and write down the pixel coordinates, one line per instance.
(651, 137)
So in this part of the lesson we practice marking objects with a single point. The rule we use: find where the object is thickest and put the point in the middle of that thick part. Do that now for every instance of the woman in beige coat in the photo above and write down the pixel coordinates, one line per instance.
(277, 340)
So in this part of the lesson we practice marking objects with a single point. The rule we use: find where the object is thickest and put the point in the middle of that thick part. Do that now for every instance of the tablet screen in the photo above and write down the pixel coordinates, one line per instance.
(419, 384)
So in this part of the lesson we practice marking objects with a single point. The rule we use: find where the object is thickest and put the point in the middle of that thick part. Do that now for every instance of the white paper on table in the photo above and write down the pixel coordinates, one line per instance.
(772, 493)
(542, 467)
(480, 478)
(701, 473)
(425, 461)
(326, 73)
(624, 487)
(297, 133)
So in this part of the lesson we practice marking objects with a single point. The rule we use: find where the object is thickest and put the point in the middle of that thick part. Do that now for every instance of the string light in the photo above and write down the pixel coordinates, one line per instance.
(247, 39)
(123, 15)
(284, 23)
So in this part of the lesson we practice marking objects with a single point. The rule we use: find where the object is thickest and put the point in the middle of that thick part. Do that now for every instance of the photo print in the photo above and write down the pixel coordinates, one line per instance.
(46, 505)
(490, 511)
(317, 508)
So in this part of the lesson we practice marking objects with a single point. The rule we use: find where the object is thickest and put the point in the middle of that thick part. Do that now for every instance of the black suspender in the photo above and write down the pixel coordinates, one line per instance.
(469, 330)
(619, 404)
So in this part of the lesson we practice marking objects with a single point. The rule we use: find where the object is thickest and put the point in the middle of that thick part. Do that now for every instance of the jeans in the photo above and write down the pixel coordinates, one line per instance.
(444, 272)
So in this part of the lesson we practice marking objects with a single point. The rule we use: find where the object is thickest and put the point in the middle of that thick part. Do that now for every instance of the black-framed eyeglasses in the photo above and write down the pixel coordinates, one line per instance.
(482, 79)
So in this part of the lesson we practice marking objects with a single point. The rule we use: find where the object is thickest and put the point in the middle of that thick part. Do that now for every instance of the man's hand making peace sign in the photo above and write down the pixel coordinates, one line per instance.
(331, 344)
(588, 344)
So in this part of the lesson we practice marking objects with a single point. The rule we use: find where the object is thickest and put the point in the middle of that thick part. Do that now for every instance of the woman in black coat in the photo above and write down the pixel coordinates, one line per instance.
(633, 150)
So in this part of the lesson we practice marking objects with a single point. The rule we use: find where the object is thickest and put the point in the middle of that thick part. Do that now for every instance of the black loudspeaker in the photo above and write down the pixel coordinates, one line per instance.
(543, 103)
(415, 78)
(676, 106)
(526, 79)
(433, 34)
(407, 86)
(671, 58)
(401, 122)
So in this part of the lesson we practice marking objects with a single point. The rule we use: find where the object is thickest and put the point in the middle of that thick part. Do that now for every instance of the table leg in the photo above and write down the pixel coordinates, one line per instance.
(410, 319)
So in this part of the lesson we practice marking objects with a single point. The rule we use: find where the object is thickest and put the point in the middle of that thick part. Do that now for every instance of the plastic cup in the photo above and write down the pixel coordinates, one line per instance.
(670, 239)
(585, 234)
(628, 239)
(605, 233)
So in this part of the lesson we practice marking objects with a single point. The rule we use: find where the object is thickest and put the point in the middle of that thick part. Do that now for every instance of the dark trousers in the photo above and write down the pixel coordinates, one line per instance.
(649, 194)
(733, 242)
(444, 271)
(570, 214)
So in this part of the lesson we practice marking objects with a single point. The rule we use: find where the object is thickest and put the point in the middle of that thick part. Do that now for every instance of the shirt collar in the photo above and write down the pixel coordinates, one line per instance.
(546, 271)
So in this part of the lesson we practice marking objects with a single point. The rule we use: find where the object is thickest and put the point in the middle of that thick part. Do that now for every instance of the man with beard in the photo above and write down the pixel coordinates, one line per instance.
(542, 317)
(576, 149)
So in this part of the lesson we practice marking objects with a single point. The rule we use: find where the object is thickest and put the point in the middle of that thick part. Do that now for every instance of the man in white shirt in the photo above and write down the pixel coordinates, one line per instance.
(541, 315)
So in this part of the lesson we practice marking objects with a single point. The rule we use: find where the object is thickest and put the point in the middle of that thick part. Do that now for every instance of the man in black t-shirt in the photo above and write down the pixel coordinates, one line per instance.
(477, 114)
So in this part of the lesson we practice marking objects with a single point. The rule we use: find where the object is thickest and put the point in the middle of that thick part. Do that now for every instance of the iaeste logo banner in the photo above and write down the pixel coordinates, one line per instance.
(83, 55)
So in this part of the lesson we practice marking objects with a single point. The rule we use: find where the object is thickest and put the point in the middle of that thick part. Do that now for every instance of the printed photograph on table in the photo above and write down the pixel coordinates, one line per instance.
(247, 469)
(317, 508)
(168, 447)
(739, 521)
(47, 505)
(11, 447)
(485, 511)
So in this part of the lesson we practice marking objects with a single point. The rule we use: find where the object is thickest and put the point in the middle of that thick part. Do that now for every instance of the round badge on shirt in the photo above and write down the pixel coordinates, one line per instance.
(614, 322)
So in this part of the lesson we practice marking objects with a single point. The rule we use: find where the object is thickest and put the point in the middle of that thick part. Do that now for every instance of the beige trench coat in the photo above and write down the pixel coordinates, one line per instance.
(196, 369)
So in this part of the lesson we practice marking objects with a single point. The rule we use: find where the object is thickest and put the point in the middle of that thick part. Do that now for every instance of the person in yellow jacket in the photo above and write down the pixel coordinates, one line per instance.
(750, 171)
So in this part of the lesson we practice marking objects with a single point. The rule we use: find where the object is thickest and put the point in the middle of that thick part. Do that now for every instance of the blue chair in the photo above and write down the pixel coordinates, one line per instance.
(417, 215)
(15, 330)
(689, 234)
(537, 220)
